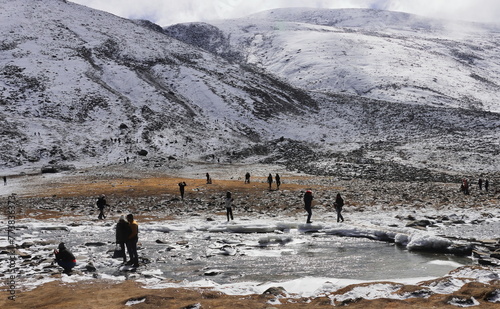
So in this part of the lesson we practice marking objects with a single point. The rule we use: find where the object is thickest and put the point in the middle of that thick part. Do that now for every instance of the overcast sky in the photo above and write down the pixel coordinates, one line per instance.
(168, 12)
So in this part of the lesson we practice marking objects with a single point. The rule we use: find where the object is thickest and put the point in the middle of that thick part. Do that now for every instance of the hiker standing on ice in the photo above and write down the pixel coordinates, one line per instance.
(270, 181)
(133, 238)
(181, 188)
(65, 258)
(247, 177)
(229, 209)
(123, 230)
(4, 180)
(101, 203)
(339, 203)
(278, 181)
(308, 198)
(209, 180)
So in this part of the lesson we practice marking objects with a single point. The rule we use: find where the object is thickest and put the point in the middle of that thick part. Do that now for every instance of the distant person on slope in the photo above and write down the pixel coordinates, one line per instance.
(132, 240)
(65, 258)
(308, 198)
(247, 177)
(278, 181)
(270, 181)
(101, 204)
(339, 203)
(123, 231)
(229, 208)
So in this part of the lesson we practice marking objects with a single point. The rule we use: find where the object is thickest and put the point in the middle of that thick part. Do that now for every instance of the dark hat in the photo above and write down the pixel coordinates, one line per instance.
(61, 246)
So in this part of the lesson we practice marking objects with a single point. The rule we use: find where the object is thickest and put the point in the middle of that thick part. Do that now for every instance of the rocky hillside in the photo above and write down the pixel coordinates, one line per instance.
(84, 87)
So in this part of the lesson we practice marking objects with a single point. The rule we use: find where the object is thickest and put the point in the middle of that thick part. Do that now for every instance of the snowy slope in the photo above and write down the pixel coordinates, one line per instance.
(69, 69)
(84, 87)
(376, 54)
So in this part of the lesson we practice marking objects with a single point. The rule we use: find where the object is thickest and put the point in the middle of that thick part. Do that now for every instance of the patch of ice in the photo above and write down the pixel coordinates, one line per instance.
(135, 301)
(428, 242)
(463, 302)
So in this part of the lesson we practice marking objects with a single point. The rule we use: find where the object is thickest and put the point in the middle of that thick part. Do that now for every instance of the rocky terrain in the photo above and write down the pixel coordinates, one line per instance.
(152, 195)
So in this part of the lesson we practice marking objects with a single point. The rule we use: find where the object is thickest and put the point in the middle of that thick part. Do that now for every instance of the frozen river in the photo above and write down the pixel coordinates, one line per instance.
(236, 252)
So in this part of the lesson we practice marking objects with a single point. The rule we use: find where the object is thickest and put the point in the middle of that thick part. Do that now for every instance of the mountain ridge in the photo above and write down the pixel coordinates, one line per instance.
(383, 55)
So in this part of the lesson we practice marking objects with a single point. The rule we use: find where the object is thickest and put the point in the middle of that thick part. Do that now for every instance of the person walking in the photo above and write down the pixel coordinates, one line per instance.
(278, 181)
(247, 177)
(270, 181)
(101, 204)
(486, 185)
(209, 179)
(229, 208)
(308, 198)
(123, 231)
(480, 184)
(181, 189)
(132, 240)
(4, 180)
(339, 203)
(65, 258)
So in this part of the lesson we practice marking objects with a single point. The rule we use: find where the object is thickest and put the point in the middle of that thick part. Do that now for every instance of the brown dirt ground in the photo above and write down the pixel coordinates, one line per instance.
(111, 295)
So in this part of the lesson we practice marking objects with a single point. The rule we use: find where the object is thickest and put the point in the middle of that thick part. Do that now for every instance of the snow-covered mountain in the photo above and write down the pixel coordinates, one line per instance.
(382, 55)
(330, 92)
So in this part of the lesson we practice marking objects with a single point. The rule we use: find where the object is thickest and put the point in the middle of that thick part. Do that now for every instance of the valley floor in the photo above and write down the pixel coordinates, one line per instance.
(372, 208)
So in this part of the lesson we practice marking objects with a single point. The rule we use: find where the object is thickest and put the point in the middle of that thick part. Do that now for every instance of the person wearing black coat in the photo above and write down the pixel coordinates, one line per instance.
(65, 258)
(308, 198)
(339, 203)
(181, 188)
(123, 231)
(101, 203)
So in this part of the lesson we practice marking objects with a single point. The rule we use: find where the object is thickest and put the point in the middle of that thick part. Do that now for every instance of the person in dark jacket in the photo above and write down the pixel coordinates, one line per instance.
(270, 181)
(101, 203)
(123, 231)
(308, 198)
(339, 203)
(278, 181)
(65, 258)
(247, 177)
(181, 189)
(229, 205)
(133, 238)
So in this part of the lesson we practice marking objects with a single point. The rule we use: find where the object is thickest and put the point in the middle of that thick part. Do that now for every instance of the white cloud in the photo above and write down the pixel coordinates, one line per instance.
(470, 10)
(170, 12)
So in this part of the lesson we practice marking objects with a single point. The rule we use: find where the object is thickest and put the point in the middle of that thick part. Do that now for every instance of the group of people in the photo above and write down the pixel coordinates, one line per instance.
(486, 183)
(277, 178)
(127, 230)
(464, 186)
(338, 205)
(127, 236)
